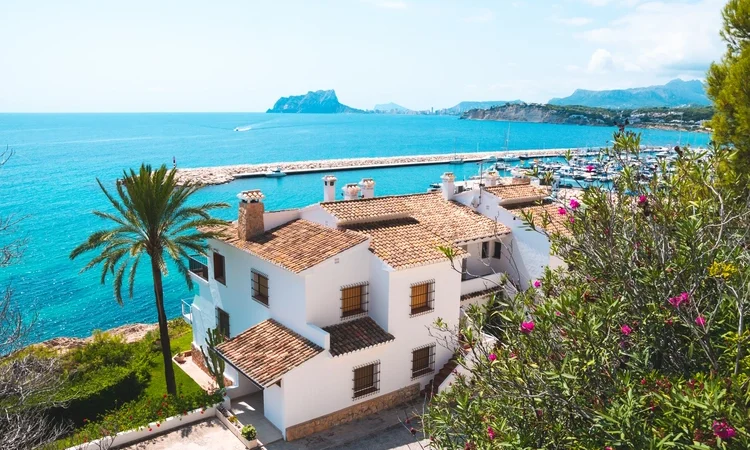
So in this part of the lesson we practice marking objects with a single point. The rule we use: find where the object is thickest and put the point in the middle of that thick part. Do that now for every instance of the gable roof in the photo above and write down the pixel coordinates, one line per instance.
(356, 335)
(403, 243)
(296, 245)
(450, 220)
(267, 351)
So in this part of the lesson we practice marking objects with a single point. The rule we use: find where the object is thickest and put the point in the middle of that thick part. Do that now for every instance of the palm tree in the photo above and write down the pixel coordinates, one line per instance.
(151, 217)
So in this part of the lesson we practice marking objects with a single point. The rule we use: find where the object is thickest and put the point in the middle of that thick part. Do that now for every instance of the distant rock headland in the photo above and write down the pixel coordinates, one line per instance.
(675, 93)
(688, 118)
(317, 102)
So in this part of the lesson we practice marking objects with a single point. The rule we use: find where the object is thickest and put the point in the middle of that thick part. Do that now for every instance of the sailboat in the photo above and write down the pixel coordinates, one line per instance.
(456, 159)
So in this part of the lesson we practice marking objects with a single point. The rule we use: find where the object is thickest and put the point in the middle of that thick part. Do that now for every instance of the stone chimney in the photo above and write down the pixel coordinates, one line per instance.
(329, 188)
(351, 191)
(250, 217)
(449, 185)
(492, 178)
(368, 187)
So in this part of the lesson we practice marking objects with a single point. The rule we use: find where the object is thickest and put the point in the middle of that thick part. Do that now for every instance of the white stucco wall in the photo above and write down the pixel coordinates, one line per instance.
(324, 281)
(273, 219)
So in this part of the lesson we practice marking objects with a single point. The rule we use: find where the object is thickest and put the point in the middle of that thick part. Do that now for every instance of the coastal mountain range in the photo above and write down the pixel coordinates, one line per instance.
(676, 93)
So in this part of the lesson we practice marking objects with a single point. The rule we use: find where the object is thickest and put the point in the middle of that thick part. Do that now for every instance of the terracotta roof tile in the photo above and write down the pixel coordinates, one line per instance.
(296, 245)
(267, 351)
(517, 191)
(356, 335)
(557, 222)
(404, 243)
(451, 220)
(253, 195)
(482, 293)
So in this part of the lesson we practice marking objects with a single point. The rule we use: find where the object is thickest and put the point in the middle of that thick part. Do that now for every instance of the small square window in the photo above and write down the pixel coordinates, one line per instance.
(354, 300)
(422, 297)
(219, 269)
(366, 379)
(260, 287)
(422, 361)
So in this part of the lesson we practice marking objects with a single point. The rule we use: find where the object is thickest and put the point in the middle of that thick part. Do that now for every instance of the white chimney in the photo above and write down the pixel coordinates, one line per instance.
(329, 188)
(250, 217)
(368, 187)
(351, 191)
(449, 185)
(492, 178)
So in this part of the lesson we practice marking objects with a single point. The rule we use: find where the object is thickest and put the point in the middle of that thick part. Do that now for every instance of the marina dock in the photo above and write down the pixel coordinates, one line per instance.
(225, 174)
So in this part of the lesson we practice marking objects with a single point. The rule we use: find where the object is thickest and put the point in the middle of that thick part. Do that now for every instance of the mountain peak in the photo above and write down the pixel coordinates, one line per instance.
(320, 102)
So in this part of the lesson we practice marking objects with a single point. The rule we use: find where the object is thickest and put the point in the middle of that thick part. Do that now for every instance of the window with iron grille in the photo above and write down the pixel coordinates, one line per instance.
(497, 250)
(354, 300)
(422, 361)
(422, 297)
(219, 269)
(222, 322)
(366, 379)
(485, 249)
(260, 287)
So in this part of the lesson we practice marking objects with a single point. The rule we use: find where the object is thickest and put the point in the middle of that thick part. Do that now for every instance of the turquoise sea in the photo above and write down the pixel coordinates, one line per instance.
(51, 183)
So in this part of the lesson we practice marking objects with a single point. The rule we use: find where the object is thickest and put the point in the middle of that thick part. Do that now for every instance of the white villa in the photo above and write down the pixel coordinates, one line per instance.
(328, 308)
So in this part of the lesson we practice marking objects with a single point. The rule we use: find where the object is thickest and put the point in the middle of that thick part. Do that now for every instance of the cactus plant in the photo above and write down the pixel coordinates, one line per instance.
(214, 363)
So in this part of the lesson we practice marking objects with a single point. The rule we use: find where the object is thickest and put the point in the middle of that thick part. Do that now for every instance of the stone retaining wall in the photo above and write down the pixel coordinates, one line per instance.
(353, 412)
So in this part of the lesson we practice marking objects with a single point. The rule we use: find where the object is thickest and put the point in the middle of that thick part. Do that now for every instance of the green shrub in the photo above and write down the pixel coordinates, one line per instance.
(248, 432)
(103, 350)
(94, 393)
(140, 413)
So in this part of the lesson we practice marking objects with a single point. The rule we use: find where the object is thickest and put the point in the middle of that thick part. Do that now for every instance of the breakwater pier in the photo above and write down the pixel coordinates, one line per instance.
(225, 174)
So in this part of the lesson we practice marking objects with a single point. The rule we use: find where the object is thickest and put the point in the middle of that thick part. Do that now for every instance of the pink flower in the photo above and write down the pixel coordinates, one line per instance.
(561, 211)
(723, 430)
(642, 199)
(626, 330)
(492, 357)
(527, 327)
(589, 168)
(537, 284)
(572, 219)
(574, 204)
(683, 298)
(701, 321)
(490, 433)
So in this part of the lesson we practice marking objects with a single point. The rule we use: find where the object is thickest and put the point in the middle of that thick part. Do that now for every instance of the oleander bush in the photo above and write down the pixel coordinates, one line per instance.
(640, 344)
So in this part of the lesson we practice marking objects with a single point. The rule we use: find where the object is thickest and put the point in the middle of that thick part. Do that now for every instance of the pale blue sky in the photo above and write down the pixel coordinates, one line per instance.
(241, 55)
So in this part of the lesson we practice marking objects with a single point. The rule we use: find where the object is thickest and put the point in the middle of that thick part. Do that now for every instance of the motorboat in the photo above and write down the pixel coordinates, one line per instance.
(276, 172)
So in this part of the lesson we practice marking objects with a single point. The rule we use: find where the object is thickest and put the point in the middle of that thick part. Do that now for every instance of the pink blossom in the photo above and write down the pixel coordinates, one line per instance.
(642, 199)
(683, 298)
(561, 211)
(492, 357)
(537, 284)
(701, 321)
(527, 327)
(626, 330)
(572, 219)
(574, 204)
(589, 168)
(723, 430)
(490, 433)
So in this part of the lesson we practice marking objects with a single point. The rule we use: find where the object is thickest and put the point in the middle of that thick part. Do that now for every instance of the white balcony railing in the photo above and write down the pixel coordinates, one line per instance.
(187, 311)
(477, 284)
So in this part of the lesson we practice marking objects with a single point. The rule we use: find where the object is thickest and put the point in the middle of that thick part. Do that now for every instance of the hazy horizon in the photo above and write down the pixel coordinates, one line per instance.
(237, 56)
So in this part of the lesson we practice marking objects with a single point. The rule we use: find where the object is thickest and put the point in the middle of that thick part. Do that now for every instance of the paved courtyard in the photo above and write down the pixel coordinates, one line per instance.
(210, 434)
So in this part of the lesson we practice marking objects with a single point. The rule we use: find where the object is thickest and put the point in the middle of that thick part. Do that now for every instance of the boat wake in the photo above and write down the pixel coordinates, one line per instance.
(245, 128)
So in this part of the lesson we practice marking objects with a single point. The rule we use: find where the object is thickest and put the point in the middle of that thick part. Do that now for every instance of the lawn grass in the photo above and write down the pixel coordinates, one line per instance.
(185, 385)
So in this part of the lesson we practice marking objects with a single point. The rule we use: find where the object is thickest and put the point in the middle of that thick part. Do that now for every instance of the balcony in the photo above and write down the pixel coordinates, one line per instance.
(480, 283)
(198, 268)
(187, 311)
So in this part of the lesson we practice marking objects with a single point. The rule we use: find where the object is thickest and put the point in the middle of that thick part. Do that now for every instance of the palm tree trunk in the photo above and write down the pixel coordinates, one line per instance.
(166, 350)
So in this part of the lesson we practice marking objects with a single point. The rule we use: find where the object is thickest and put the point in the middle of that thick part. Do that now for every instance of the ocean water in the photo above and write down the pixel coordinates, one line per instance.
(50, 183)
